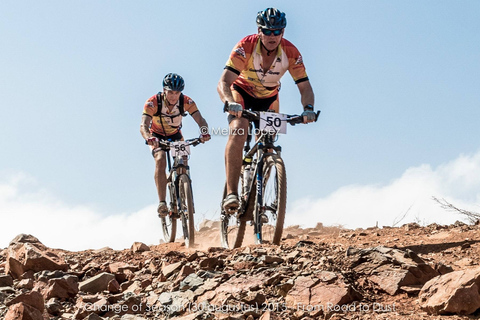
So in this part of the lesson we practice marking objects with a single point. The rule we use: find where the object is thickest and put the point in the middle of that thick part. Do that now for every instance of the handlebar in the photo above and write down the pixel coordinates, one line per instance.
(255, 115)
(165, 145)
(292, 119)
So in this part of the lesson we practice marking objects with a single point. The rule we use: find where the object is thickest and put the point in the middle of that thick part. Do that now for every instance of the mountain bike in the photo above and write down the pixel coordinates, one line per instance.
(263, 183)
(179, 191)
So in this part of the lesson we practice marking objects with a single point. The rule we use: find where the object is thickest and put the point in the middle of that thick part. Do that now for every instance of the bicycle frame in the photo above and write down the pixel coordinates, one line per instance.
(260, 150)
(173, 177)
(181, 194)
(173, 171)
(263, 177)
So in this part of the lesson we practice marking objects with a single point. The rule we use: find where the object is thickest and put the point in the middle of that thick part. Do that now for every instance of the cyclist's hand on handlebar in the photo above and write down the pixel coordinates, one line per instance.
(153, 141)
(308, 116)
(235, 109)
(205, 137)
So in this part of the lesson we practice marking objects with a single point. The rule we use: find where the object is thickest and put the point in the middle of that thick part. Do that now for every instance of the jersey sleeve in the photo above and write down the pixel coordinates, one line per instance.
(295, 63)
(189, 105)
(151, 106)
(237, 62)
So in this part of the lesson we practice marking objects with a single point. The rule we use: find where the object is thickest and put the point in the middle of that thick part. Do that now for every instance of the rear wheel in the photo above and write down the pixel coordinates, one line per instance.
(274, 202)
(232, 226)
(169, 223)
(187, 209)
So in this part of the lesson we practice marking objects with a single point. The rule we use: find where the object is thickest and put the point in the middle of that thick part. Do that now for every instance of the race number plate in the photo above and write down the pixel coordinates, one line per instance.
(180, 148)
(273, 122)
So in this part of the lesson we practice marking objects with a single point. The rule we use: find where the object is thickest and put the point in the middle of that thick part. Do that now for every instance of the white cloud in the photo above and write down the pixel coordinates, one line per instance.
(74, 228)
(363, 206)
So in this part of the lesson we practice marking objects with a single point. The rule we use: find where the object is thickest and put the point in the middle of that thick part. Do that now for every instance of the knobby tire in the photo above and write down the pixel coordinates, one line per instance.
(187, 216)
(274, 200)
(233, 228)
(169, 223)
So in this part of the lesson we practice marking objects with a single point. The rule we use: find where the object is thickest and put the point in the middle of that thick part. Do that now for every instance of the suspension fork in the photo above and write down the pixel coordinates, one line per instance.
(259, 210)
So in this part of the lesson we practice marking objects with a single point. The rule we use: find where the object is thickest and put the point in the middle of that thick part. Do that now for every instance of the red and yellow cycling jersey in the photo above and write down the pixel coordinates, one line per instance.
(246, 61)
(167, 122)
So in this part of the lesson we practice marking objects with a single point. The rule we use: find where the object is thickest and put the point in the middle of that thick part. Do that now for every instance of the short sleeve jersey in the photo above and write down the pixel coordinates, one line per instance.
(246, 61)
(170, 122)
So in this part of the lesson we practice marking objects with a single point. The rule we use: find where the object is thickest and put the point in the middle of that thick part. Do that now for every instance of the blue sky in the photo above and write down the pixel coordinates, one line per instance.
(397, 82)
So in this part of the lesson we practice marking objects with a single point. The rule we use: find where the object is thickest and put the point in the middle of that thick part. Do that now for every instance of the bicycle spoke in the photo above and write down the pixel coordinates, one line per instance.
(169, 223)
(272, 210)
(186, 210)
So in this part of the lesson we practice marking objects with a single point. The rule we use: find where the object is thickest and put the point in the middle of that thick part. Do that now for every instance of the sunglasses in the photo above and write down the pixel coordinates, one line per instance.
(269, 32)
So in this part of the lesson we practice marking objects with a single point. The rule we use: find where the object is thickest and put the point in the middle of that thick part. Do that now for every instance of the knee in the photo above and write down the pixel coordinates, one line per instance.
(238, 131)
(160, 161)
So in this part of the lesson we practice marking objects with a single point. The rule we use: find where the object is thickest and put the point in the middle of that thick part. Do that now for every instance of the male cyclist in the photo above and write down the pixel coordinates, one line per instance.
(251, 80)
(162, 120)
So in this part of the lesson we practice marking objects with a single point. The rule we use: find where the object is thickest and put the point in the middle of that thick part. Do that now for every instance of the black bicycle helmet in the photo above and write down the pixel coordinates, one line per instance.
(271, 18)
(173, 81)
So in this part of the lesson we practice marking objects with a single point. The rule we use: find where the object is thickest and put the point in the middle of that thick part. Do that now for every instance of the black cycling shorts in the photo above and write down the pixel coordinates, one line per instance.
(174, 137)
(254, 104)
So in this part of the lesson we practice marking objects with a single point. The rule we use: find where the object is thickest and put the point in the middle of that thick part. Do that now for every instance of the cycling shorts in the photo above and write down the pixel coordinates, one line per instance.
(174, 137)
(255, 104)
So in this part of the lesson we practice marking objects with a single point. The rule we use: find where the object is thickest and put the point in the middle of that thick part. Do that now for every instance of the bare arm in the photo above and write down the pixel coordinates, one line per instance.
(145, 126)
(224, 85)
(145, 130)
(306, 92)
(203, 125)
(197, 116)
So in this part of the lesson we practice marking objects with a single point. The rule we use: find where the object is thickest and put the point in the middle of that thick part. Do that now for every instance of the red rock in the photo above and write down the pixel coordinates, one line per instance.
(113, 286)
(26, 284)
(170, 269)
(300, 293)
(6, 281)
(135, 287)
(390, 281)
(457, 292)
(62, 288)
(33, 299)
(185, 271)
(120, 267)
(210, 263)
(25, 238)
(22, 311)
(332, 294)
(97, 283)
(23, 257)
(139, 247)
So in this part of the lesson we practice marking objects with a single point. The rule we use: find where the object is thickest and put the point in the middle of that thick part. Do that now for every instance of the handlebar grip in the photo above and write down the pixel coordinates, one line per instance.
(317, 115)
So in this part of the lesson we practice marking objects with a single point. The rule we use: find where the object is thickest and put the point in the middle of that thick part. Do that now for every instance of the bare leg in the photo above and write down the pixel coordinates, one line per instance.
(160, 177)
(233, 152)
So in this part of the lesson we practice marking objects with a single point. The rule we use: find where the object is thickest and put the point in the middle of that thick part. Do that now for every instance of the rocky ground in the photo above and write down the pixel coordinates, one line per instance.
(409, 272)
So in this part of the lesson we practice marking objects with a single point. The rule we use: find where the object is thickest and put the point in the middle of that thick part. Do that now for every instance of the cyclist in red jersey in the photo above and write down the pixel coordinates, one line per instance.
(251, 80)
(162, 120)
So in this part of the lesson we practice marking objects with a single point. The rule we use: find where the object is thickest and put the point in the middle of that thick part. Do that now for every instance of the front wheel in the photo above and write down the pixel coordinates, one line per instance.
(169, 223)
(270, 209)
(232, 226)
(187, 210)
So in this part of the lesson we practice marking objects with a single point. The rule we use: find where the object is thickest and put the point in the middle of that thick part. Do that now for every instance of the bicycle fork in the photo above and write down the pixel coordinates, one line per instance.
(259, 209)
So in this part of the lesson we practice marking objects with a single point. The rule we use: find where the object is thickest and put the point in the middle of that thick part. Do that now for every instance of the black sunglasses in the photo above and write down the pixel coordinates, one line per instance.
(269, 32)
